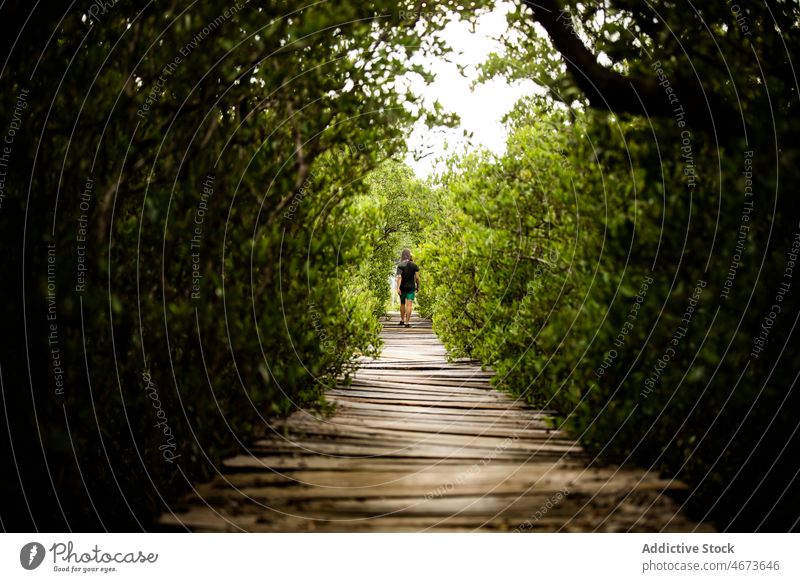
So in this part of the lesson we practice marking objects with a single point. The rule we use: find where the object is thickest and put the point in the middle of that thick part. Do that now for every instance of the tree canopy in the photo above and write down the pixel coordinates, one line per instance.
(201, 203)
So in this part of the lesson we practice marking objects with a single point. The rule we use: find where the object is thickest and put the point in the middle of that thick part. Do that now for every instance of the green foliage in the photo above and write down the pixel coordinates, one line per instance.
(515, 249)
(221, 257)
(663, 333)
(592, 278)
(392, 211)
(145, 340)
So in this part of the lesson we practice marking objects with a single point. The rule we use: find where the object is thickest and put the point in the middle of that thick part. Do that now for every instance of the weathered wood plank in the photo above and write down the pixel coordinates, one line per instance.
(417, 443)
(452, 398)
(366, 447)
(452, 409)
(382, 426)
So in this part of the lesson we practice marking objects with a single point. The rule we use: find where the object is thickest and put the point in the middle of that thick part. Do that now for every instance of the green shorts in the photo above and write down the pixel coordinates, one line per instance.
(403, 296)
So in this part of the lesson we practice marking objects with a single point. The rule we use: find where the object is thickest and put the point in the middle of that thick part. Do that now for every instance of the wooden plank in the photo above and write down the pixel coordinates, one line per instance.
(449, 392)
(294, 462)
(382, 425)
(428, 488)
(454, 409)
(420, 443)
(408, 396)
(543, 477)
(367, 448)
(436, 428)
(412, 381)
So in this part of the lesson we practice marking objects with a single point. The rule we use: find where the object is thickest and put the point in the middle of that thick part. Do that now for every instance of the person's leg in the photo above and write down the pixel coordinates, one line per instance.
(409, 305)
(402, 308)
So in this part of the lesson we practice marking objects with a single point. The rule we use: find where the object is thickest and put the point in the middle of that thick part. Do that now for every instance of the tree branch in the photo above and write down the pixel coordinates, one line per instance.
(609, 90)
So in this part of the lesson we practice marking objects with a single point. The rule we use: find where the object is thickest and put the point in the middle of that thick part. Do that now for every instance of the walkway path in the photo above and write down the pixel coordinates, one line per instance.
(418, 444)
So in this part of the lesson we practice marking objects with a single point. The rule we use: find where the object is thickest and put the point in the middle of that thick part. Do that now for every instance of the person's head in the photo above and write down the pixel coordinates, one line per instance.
(405, 255)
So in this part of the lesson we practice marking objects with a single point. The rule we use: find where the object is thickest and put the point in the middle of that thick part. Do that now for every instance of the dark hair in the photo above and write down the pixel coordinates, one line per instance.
(405, 255)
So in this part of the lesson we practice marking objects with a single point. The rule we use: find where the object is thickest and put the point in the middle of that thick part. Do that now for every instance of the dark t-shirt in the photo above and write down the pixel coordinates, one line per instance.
(406, 270)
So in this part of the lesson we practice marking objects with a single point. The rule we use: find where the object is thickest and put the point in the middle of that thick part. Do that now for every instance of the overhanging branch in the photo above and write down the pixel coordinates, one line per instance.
(609, 90)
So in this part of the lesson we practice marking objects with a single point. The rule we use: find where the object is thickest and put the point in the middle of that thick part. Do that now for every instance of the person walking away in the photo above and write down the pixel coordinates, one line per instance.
(407, 285)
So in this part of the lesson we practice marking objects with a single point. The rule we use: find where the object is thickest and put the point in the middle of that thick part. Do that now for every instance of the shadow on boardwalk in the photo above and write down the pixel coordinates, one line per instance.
(419, 444)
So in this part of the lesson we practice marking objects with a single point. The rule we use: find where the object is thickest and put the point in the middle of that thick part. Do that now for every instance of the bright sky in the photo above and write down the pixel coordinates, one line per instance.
(480, 110)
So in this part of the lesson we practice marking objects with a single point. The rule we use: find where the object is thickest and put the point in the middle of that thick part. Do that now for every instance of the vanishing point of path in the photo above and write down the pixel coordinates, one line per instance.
(421, 444)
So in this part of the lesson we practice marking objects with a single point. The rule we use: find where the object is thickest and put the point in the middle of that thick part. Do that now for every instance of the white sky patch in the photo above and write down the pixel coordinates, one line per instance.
(480, 110)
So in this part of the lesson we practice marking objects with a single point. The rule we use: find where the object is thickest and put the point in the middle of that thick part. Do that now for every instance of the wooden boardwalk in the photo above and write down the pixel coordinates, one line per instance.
(420, 444)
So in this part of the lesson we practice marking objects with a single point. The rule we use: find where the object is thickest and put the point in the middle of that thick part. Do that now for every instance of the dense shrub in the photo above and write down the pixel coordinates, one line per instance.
(180, 217)
(597, 271)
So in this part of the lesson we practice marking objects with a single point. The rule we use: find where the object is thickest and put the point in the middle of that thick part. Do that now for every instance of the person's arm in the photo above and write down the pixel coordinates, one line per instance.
(416, 280)
(397, 281)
